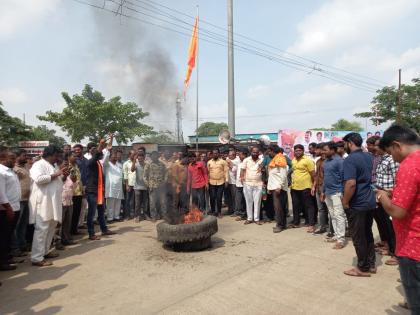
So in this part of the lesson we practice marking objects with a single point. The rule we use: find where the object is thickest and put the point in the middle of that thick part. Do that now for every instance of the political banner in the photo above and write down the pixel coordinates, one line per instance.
(288, 138)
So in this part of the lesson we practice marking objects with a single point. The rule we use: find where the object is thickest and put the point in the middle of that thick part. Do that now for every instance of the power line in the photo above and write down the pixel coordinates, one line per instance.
(260, 42)
(211, 39)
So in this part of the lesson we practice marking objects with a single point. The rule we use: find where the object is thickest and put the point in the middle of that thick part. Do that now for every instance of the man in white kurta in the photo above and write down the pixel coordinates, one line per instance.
(45, 204)
(113, 184)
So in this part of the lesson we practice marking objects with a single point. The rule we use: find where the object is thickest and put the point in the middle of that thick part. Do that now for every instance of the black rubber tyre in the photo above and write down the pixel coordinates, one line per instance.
(180, 233)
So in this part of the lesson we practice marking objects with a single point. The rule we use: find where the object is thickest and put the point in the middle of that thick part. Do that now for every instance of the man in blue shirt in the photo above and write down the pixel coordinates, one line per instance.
(332, 192)
(359, 203)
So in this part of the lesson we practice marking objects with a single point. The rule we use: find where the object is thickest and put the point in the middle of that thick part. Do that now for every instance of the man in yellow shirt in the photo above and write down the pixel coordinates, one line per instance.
(302, 180)
(218, 178)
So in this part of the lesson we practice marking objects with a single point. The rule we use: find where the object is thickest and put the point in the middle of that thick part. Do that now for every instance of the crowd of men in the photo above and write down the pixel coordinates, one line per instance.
(338, 189)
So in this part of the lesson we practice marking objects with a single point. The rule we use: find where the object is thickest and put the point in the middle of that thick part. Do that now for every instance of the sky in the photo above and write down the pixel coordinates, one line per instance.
(51, 46)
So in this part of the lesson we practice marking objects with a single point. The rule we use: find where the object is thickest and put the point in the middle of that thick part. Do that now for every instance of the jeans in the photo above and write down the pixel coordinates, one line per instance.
(410, 278)
(279, 202)
(303, 201)
(322, 211)
(92, 207)
(253, 196)
(240, 203)
(360, 223)
(338, 217)
(216, 195)
(140, 202)
(129, 203)
(199, 198)
(180, 200)
(19, 236)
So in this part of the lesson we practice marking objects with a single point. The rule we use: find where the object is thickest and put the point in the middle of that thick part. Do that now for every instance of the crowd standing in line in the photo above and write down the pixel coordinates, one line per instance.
(337, 190)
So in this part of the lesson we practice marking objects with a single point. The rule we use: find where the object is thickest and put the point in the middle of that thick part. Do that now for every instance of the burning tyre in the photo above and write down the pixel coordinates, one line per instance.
(188, 236)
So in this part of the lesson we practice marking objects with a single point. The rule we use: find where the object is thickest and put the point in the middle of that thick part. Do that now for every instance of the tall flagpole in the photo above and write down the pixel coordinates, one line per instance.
(231, 81)
(196, 101)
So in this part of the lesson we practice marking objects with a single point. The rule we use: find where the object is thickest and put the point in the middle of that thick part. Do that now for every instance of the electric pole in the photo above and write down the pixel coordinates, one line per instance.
(179, 136)
(231, 81)
(399, 98)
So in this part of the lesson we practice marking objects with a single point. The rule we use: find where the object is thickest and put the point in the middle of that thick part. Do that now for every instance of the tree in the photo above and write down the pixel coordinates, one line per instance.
(43, 133)
(210, 128)
(90, 116)
(343, 124)
(384, 105)
(161, 137)
(12, 129)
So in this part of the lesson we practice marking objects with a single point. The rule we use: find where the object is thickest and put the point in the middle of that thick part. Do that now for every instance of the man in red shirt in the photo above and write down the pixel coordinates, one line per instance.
(197, 181)
(403, 205)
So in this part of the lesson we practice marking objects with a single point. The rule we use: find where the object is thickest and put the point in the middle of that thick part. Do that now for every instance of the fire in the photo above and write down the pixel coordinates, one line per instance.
(194, 215)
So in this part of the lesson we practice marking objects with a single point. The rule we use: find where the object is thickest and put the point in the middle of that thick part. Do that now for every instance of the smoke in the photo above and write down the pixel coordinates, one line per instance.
(134, 62)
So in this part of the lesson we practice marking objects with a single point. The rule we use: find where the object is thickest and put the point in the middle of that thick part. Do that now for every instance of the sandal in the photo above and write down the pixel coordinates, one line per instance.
(355, 272)
(94, 238)
(392, 262)
(259, 223)
(338, 245)
(311, 229)
(247, 222)
(43, 263)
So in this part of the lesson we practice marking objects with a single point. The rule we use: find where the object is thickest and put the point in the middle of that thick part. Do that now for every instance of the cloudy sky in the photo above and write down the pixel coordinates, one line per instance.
(50, 46)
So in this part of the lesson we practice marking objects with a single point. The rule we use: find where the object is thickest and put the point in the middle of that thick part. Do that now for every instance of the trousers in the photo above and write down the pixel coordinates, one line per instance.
(240, 203)
(199, 198)
(43, 236)
(303, 202)
(19, 235)
(410, 278)
(129, 203)
(253, 196)
(113, 207)
(360, 224)
(338, 216)
(140, 202)
(92, 208)
(322, 211)
(77, 209)
(216, 195)
(66, 223)
(157, 199)
(279, 203)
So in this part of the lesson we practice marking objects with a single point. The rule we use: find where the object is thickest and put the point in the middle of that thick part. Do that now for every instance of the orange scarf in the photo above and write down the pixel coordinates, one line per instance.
(278, 161)
(100, 199)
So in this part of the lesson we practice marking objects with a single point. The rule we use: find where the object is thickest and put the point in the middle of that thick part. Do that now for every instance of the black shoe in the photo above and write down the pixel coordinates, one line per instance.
(67, 243)
(7, 267)
(321, 231)
(15, 261)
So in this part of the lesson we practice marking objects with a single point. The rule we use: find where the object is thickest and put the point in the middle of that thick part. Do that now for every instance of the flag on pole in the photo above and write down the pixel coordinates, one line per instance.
(192, 53)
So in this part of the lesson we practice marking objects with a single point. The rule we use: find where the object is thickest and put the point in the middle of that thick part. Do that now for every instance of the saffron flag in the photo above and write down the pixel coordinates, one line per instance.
(192, 53)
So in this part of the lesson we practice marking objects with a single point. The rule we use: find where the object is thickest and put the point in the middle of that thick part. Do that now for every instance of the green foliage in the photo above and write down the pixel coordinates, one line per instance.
(90, 116)
(384, 105)
(43, 133)
(343, 124)
(161, 137)
(12, 129)
(210, 128)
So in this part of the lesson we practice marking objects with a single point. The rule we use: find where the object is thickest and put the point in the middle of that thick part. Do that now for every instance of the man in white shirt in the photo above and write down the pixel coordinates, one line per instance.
(232, 161)
(10, 201)
(129, 182)
(45, 204)
(113, 184)
(140, 189)
(240, 204)
(252, 180)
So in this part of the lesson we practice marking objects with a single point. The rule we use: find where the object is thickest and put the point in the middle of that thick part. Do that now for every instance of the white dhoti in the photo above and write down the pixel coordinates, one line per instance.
(113, 207)
(43, 236)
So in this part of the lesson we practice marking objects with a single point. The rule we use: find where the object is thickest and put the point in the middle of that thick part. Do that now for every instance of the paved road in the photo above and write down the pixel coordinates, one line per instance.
(249, 270)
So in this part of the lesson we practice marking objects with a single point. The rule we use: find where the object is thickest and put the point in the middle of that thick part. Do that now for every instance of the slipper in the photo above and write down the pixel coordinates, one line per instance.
(247, 222)
(392, 262)
(338, 245)
(356, 273)
(259, 223)
(238, 219)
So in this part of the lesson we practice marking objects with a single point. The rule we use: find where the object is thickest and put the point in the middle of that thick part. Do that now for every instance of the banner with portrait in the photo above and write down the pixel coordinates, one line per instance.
(288, 138)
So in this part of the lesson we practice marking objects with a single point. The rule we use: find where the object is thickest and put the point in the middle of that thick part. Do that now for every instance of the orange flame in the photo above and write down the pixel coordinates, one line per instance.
(194, 215)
